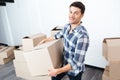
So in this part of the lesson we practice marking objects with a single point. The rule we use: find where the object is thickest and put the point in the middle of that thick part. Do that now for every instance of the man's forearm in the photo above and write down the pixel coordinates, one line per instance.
(64, 69)
(50, 38)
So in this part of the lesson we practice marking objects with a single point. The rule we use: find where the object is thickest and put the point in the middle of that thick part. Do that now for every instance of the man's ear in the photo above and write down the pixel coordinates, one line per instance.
(82, 14)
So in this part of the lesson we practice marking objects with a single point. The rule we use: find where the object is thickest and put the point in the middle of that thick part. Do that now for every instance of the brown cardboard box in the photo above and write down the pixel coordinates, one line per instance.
(106, 75)
(7, 52)
(55, 30)
(2, 48)
(22, 71)
(111, 49)
(114, 69)
(6, 60)
(105, 49)
(42, 58)
(29, 42)
(40, 78)
(6, 55)
(45, 56)
(21, 64)
(19, 55)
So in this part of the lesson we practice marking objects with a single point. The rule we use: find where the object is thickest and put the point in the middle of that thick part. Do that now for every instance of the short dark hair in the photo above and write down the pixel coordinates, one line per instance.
(80, 5)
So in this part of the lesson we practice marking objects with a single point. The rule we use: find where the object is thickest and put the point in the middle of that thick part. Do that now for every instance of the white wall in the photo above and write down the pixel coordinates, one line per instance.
(5, 29)
(25, 17)
(101, 20)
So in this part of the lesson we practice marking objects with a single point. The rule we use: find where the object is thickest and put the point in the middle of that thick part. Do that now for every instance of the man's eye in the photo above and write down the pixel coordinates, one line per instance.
(70, 11)
(76, 13)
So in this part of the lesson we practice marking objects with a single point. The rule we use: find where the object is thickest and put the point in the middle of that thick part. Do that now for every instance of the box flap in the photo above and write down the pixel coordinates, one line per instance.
(112, 42)
(46, 44)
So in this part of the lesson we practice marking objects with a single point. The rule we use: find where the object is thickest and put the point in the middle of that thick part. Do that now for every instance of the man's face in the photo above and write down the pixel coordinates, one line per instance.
(75, 15)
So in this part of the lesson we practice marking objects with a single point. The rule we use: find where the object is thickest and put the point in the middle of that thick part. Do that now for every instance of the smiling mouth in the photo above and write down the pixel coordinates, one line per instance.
(71, 18)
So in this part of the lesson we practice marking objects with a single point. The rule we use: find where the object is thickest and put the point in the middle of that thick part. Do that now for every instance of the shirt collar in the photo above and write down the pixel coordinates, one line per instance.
(77, 28)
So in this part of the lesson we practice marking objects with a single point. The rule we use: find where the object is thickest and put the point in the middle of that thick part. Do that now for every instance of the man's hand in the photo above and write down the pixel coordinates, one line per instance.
(46, 40)
(43, 41)
(53, 72)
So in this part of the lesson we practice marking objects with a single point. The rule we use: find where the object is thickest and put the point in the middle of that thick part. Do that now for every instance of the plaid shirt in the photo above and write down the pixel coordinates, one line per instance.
(75, 47)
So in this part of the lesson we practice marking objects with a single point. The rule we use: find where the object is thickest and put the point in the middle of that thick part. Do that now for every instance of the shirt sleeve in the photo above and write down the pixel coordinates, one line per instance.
(80, 51)
(59, 34)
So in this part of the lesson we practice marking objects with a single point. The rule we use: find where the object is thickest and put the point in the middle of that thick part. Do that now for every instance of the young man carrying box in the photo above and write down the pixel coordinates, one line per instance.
(76, 42)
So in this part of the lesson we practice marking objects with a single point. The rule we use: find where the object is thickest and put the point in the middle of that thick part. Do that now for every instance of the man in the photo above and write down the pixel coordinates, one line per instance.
(76, 42)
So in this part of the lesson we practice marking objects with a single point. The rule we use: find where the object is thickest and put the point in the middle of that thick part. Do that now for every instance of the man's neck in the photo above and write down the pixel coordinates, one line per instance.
(74, 25)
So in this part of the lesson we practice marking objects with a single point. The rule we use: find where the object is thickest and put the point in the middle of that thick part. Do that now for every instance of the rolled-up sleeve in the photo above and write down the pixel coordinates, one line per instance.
(58, 35)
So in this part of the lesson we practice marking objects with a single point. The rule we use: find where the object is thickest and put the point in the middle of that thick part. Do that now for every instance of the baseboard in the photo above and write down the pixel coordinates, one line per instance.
(94, 67)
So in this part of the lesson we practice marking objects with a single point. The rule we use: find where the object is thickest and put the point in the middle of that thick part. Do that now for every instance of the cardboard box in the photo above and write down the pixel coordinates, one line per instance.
(56, 30)
(106, 75)
(44, 57)
(114, 69)
(40, 78)
(6, 55)
(8, 51)
(29, 42)
(2, 48)
(19, 55)
(22, 71)
(111, 49)
(6, 60)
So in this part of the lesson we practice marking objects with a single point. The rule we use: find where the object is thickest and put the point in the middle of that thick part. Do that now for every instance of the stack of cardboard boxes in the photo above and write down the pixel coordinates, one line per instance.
(111, 51)
(32, 61)
(6, 54)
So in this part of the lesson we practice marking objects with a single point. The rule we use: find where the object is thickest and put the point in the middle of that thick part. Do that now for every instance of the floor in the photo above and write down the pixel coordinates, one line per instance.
(92, 73)
(7, 72)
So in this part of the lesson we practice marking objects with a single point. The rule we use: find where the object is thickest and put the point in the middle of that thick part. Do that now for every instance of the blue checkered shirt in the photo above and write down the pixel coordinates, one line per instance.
(75, 47)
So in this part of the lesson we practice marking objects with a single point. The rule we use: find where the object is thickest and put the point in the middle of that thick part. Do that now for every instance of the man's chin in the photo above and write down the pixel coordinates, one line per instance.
(71, 22)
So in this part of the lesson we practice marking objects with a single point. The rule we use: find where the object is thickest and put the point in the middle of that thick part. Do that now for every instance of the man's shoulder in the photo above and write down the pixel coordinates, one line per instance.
(82, 31)
(66, 26)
